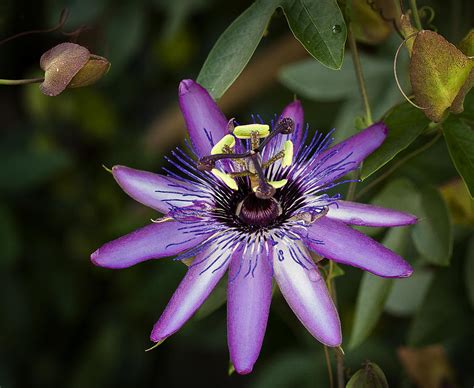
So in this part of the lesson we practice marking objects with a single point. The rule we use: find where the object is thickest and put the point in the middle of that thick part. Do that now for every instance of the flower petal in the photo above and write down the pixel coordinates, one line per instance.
(156, 191)
(336, 241)
(203, 274)
(151, 242)
(305, 291)
(205, 122)
(368, 215)
(249, 294)
(347, 155)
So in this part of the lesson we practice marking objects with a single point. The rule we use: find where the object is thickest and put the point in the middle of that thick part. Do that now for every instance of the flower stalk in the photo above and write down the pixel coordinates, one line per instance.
(13, 82)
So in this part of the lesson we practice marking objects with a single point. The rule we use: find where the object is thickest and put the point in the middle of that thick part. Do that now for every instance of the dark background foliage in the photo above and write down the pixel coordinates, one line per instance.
(66, 323)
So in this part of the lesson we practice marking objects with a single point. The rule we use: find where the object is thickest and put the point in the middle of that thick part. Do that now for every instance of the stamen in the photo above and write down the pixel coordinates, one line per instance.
(240, 174)
(288, 151)
(245, 131)
(276, 184)
(254, 140)
(228, 141)
(273, 159)
(226, 178)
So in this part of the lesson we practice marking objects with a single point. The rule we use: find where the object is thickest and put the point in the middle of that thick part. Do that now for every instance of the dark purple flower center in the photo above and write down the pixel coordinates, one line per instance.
(258, 211)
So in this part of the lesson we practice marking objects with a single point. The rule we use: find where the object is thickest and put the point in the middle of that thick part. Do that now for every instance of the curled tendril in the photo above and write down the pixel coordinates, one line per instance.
(63, 16)
(428, 13)
(395, 59)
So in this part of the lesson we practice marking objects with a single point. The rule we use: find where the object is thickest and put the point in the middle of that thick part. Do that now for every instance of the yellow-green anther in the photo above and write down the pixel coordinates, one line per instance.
(227, 140)
(226, 178)
(245, 131)
(278, 184)
(288, 150)
(274, 184)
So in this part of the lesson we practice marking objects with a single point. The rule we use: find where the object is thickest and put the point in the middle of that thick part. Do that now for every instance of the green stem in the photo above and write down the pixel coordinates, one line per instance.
(341, 381)
(359, 75)
(398, 164)
(416, 16)
(20, 81)
(365, 97)
(328, 363)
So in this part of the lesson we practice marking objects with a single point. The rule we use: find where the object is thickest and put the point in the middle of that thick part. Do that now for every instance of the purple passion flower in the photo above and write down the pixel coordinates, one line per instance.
(252, 202)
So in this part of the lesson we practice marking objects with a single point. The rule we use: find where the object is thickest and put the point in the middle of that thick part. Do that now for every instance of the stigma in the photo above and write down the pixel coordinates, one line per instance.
(250, 164)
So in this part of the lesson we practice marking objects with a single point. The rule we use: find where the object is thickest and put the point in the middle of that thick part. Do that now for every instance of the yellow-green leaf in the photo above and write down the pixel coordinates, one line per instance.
(440, 75)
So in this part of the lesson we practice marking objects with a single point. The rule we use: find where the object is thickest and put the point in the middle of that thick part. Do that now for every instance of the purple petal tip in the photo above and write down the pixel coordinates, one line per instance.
(94, 257)
(117, 168)
(185, 85)
(243, 371)
(156, 338)
(408, 271)
(332, 342)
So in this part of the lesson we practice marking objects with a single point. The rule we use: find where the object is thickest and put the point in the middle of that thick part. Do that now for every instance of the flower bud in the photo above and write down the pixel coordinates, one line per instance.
(95, 68)
(70, 65)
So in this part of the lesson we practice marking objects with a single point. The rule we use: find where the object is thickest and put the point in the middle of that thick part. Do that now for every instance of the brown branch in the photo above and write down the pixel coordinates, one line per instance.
(168, 128)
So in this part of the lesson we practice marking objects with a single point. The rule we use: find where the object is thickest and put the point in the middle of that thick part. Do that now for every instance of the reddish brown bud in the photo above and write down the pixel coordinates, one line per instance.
(70, 65)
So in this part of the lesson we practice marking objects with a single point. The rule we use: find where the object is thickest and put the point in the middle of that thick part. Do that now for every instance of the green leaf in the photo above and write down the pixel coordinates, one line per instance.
(460, 140)
(433, 235)
(390, 196)
(371, 376)
(309, 79)
(373, 292)
(405, 123)
(235, 47)
(407, 294)
(320, 27)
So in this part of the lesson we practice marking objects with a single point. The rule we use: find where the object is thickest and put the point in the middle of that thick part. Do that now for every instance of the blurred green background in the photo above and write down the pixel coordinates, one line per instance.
(66, 323)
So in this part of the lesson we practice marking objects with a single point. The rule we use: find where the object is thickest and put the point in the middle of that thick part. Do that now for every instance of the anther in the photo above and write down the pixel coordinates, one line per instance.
(227, 142)
(245, 131)
(288, 151)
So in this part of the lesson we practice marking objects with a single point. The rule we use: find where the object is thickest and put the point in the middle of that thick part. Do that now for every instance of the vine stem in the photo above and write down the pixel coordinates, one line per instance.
(20, 81)
(398, 164)
(416, 16)
(359, 75)
(363, 92)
